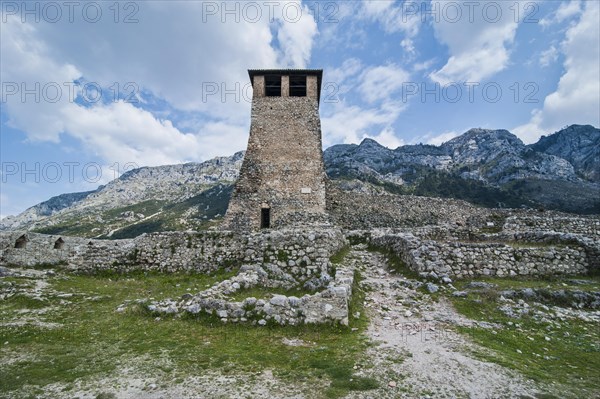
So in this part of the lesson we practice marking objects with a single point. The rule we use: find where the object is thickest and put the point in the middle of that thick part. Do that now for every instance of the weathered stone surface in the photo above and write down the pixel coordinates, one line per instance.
(204, 251)
(560, 253)
(283, 170)
(327, 306)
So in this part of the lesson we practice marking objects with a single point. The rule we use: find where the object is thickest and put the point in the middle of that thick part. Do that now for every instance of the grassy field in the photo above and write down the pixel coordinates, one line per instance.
(91, 340)
(64, 330)
(557, 352)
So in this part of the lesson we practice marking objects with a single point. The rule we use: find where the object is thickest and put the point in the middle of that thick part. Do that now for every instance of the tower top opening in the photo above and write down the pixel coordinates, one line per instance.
(286, 82)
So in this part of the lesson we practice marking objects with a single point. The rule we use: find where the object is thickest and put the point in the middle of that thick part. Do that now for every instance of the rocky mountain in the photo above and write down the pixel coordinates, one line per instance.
(486, 167)
(169, 197)
(580, 145)
(492, 168)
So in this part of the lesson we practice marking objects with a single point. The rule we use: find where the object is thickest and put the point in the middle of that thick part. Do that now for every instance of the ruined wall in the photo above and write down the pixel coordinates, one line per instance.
(303, 254)
(589, 226)
(466, 259)
(328, 306)
(283, 167)
(355, 210)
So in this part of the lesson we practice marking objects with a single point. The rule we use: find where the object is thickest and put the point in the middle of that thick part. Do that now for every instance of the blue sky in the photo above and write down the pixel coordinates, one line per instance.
(91, 89)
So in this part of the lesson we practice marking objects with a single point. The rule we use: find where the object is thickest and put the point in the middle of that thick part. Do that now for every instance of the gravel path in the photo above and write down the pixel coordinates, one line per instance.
(417, 352)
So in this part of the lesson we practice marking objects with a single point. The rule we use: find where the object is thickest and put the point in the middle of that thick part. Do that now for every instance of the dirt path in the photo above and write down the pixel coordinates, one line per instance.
(416, 348)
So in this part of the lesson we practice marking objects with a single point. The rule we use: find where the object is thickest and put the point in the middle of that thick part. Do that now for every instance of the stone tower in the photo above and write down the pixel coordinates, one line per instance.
(282, 180)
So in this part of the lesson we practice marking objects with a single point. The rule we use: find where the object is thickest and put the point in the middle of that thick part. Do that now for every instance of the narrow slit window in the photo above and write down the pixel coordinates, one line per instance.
(273, 86)
(298, 86)
(265, 218)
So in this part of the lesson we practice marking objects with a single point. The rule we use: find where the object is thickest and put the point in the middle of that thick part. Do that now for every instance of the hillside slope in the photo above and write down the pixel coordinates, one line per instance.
(489, 168)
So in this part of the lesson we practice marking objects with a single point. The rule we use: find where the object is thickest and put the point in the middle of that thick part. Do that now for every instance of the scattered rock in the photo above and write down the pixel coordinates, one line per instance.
(279, 300)
(480, 284)
(432, 287)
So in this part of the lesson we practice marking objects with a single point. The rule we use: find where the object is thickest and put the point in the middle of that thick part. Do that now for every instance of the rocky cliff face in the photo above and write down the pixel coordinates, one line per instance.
(579, 145)
(485, 167)
(488, 167)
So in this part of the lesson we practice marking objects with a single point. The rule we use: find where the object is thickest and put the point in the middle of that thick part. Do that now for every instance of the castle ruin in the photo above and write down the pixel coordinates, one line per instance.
(282, 180)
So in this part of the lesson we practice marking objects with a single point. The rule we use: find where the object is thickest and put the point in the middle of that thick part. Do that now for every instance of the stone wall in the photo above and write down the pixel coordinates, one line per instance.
(591, 246)
(465, 259)
(328, 306)
(301, 254)
(362, 211)
(589, 226)
(283, 169)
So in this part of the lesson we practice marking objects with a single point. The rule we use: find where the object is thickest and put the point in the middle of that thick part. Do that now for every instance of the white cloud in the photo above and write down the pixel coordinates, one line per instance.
(296, 34)
(394, 17)
(576, 98)
(351, 123)
(171, 53)
(26, 65)
(339, 27)
(478, 49)
(380, 82)
(178, 48)
(422, 66)
(548, 56)
(408, 46)
(566, 10)
(123, 133)
(440, 138)
(337, 82)
(387, 138)
(377, 7)
(118, 132)
(350, 67)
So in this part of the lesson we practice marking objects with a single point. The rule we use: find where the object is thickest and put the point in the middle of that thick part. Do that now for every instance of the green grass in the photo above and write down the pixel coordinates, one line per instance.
(549, 282)
(20, 301)
(572, 354)
(73, 227)
(340, 255)
(94, 341)
(395, 264)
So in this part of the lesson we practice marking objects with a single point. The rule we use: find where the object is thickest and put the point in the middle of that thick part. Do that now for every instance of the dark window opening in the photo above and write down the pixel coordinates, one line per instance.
(298, 86)
(265, 218)
(58, 244)
(273, 86)
(21, 241)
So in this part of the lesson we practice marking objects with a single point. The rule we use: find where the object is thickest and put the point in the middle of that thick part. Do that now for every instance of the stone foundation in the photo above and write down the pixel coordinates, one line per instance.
(327, 306)
(301, 254)
(468, 259)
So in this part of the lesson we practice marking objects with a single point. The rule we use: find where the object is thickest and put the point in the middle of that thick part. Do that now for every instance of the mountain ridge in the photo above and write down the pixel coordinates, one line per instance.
(484, 166)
